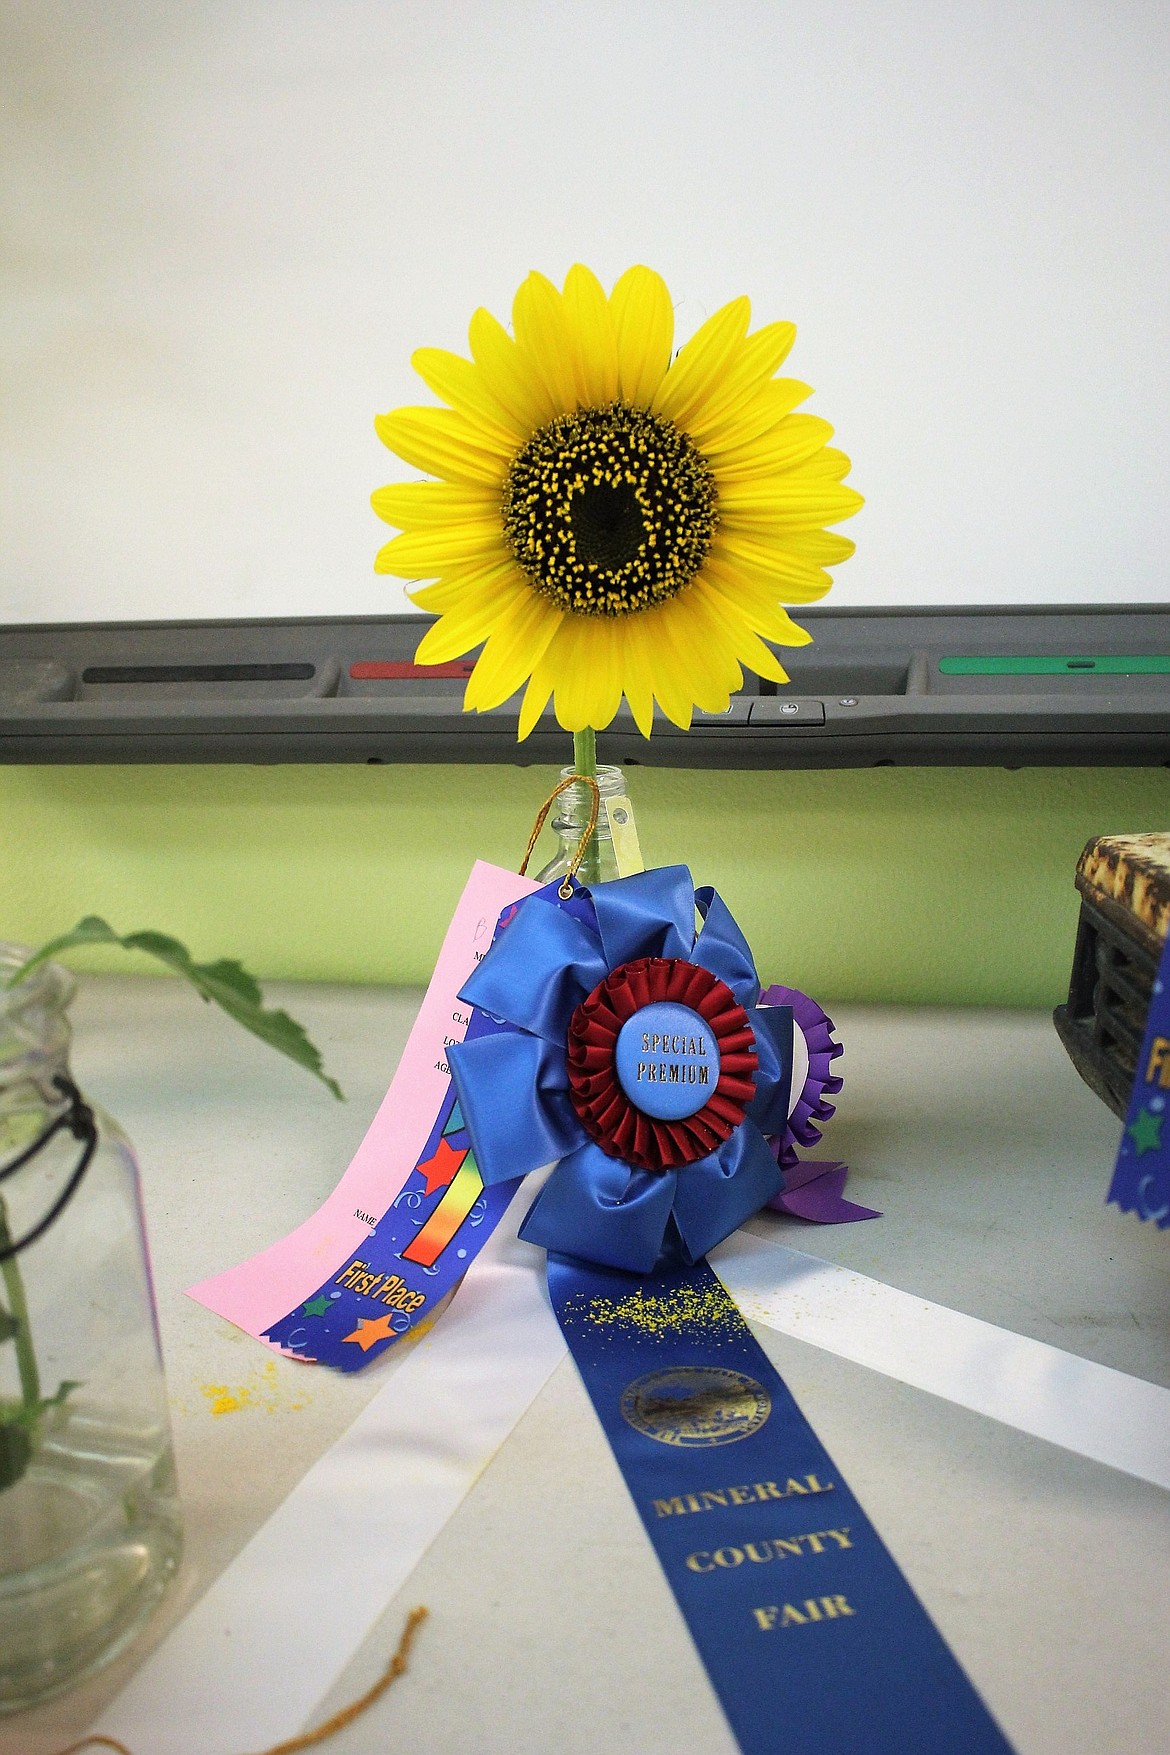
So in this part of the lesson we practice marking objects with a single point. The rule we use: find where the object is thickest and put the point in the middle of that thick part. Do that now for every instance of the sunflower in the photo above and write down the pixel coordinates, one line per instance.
(608, 520)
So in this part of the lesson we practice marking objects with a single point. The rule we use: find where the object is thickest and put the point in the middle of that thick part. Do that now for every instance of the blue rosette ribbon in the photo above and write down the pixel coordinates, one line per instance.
(576, 1073)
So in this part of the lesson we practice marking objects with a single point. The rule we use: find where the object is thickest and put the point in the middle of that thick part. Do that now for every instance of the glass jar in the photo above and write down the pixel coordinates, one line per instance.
(571, 818)
(89, 1518)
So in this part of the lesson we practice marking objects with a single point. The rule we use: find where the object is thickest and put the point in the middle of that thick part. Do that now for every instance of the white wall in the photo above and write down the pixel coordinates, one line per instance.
(226, 223)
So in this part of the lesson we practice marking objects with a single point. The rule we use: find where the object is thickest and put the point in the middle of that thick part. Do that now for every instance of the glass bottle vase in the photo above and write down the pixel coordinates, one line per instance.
(570, 818)
(89, 1520)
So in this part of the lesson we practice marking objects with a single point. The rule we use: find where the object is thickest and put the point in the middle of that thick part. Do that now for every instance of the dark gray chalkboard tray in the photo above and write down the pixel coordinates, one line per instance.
(924, 687)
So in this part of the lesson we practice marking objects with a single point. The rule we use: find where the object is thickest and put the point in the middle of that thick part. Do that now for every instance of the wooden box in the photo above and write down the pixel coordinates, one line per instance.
(1124, 881)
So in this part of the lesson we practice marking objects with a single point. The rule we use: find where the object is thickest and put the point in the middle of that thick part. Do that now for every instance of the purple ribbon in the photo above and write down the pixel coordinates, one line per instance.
(813, 1187)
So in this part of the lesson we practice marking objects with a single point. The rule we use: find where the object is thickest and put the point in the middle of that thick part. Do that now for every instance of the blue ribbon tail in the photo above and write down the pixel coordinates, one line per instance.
(812, 1638)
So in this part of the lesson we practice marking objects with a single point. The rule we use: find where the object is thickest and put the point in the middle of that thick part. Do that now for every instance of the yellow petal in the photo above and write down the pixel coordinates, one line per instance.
(743, 629)
(466, 584)
(830, 463)
(695, 373)
(445, 641)
(748, 369)
(816, 548)
(709, 641)
(643, 322)
(752, 415)
(752, 547)
(533, 705)
(593, 341)
(418, 505)
(444, 594)
(511, 380)
(636, 678)
(673, 661)
(590, 663)
(464, 627)
(785, 446)
(586, 655)
(760, 658)
(803, 505)
(824, 547)
(670, 691)
(749, 650)
(751, 498)
(442, 443)
(540, 687)
(461, 384)
(586, 664)
(789, 577)
(753, 605)
(514, 646)
(427, 553)
(542, 334)
(574, 700)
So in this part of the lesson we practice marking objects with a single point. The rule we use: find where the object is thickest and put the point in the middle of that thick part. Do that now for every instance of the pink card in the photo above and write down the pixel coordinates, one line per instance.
(257, 1293)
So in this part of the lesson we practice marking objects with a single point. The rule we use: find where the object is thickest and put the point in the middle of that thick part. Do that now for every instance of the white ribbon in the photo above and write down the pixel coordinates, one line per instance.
(1107, 1415)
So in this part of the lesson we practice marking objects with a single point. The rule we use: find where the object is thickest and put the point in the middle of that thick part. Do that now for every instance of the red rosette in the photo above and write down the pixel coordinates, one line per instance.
(607, 1114)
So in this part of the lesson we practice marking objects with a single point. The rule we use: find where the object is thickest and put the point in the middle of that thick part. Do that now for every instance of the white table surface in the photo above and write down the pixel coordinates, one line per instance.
(551, 1626)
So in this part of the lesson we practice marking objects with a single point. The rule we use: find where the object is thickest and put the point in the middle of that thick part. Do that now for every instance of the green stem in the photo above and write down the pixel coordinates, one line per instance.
(26, 1359)
(585, 752)
(585, 762)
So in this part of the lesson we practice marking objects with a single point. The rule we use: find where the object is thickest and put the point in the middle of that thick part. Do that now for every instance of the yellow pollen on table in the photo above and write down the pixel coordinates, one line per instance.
(706, 1310)
(226, 1401)
(262, 1390)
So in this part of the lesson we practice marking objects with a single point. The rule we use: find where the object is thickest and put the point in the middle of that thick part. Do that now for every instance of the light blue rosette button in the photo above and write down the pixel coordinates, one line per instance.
(667, 1061)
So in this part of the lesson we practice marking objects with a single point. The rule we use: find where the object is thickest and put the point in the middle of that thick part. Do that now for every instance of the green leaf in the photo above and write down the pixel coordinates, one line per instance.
(15, 1447)
(30, 1416)
(226, 983)
(90, 931)
(64, 1389)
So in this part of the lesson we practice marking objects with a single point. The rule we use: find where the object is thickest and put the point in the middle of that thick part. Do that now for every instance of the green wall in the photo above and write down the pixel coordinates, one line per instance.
(924, 885)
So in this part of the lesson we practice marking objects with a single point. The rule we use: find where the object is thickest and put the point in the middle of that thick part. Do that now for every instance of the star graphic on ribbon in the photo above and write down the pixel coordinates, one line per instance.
(316, 1306)
(440, 1170)
(371, 1330)
(1145, 1130)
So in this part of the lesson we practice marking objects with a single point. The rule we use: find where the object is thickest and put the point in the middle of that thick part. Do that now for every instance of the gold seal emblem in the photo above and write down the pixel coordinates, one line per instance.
(696, 1405)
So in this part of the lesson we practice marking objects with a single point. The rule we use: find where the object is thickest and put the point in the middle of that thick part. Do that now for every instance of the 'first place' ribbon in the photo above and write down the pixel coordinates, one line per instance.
(811, 1636)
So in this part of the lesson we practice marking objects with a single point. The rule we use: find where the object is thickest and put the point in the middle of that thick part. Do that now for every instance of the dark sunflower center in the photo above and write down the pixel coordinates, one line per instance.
(609, 510)
(608, 526)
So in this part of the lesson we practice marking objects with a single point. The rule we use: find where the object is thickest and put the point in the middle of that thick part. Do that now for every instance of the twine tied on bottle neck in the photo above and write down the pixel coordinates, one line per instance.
(590, 780)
